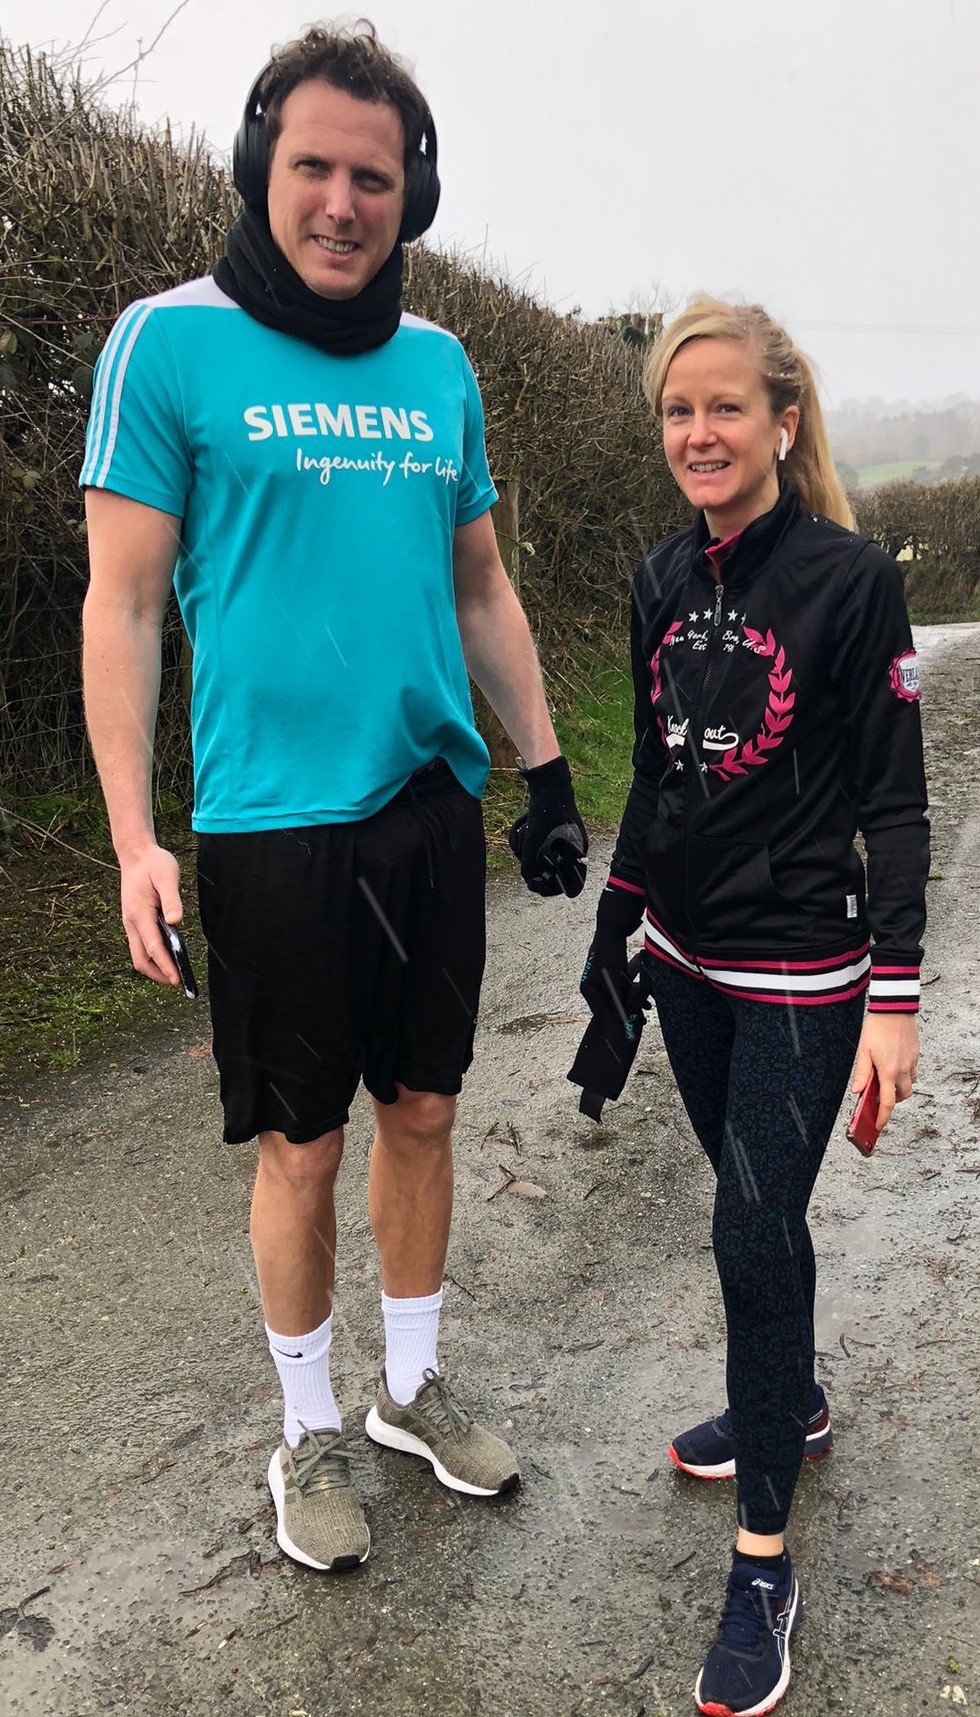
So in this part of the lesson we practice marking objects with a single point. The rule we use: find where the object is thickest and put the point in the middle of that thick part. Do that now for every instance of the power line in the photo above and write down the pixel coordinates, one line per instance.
(886, 328)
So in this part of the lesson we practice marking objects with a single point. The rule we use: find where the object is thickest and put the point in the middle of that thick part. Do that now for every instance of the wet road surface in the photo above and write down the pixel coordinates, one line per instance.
(582, 1317)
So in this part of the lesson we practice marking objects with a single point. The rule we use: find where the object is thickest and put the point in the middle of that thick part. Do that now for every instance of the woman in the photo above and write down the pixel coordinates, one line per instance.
(776, 714)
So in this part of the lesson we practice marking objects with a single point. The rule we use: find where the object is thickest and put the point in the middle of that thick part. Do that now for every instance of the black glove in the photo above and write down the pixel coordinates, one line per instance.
(604, 974)
(549, 838)
(612, 1038)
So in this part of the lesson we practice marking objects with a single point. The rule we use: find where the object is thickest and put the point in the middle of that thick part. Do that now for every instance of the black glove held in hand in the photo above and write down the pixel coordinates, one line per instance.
(549, 838)
(605, 972)
(612, 1037)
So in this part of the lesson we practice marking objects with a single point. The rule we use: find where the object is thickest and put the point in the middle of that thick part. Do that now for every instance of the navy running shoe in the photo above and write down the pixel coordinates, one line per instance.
(708, 1451)
(746, 1672)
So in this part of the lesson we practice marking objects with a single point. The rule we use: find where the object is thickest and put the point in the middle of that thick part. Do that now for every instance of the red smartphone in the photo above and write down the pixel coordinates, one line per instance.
(861, 1128)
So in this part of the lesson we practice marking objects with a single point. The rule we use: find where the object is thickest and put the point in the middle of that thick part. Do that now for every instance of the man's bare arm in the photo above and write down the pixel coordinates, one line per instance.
(132, 551)
(497, 643)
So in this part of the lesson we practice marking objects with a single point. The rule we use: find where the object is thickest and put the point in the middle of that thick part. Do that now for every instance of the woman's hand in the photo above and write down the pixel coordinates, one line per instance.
(890, 1046)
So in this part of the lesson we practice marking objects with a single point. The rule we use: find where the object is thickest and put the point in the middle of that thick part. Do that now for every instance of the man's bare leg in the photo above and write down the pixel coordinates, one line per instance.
(410, 1191)
(410, 1200)
(294, 1240)
(410, 1197)
(293, 1229)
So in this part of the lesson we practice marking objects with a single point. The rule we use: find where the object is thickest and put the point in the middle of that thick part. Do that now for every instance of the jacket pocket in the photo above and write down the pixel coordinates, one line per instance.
(733, 898)
(665, 870)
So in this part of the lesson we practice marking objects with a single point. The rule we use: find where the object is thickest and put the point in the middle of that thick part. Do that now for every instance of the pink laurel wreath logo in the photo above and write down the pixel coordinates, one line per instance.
(778, 715)
(670, 633)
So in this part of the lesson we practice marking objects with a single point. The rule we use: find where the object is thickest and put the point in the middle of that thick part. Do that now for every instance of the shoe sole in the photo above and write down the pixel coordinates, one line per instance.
(393, 1437)
(726, 1469)
(772, 1699)
(278, 1488)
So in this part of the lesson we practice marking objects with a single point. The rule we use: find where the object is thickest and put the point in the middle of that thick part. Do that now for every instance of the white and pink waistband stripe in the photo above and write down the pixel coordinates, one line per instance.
(805, 982)
(658, 942)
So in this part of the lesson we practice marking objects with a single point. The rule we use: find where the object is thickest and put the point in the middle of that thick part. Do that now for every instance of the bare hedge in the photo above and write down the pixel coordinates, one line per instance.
(96, 211)
(935, 531)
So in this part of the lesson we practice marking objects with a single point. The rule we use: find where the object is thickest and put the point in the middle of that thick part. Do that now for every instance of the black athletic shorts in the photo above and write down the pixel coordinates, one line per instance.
(345, 951)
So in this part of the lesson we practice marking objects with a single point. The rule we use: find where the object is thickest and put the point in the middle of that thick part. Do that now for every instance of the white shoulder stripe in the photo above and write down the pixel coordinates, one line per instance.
(408, 320)
(100, 395)
(193, 294)
(113, 399)
(118, 341)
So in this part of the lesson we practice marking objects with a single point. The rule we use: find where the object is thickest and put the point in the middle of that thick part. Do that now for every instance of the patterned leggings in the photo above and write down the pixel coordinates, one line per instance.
(762, 1084)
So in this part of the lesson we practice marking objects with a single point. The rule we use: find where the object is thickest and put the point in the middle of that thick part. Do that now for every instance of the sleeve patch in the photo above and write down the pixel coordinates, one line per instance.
(904, 677)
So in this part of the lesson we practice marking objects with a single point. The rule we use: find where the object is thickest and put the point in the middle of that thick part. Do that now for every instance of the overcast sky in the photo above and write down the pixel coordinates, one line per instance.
(822, 157)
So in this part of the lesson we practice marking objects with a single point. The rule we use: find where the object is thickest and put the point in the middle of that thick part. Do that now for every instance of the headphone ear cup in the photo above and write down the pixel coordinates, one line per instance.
(422, 189)
(250, 152)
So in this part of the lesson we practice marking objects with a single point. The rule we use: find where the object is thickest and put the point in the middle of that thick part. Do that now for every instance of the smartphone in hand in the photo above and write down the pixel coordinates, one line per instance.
(563, 856)
(178, 953)
(861, 1129)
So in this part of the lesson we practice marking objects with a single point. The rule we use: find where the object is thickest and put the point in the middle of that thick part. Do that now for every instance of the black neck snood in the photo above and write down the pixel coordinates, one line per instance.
(254, 272)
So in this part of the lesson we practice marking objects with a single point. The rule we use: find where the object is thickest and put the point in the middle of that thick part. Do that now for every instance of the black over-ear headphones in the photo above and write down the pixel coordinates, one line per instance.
(250, 166)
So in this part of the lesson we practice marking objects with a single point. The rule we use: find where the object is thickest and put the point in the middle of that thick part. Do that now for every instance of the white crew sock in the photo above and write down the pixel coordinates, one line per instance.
(303, 1364)
(411, 1334)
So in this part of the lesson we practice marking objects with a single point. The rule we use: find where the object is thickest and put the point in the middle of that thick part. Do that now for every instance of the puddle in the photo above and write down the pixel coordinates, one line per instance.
(108, 1599)
(532, 1022)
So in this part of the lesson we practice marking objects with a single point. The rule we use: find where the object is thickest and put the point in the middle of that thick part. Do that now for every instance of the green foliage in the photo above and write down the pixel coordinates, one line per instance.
(873, 476)
(595, 730)
(635, 327)
(596, 733)
(66, 983)
(958, 465)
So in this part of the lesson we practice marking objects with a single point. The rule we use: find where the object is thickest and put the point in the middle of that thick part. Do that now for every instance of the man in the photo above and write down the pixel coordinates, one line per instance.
(306, 464)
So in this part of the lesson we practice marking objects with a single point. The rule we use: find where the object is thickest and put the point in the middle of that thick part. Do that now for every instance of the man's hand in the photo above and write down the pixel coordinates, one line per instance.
(890, 1044)
(151, 884)
(549, 838)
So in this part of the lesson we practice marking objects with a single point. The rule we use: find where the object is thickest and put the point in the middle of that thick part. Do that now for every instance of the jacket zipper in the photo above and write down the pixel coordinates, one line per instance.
(696, 727)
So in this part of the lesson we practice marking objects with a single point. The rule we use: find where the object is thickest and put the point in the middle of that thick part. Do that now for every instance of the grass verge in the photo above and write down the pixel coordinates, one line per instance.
(66, 984)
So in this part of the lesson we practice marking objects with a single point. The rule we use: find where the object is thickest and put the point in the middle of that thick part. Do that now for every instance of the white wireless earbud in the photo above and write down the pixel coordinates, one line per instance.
(783, 444)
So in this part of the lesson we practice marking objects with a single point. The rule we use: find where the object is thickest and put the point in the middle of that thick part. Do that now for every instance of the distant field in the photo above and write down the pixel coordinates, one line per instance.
(871, 475)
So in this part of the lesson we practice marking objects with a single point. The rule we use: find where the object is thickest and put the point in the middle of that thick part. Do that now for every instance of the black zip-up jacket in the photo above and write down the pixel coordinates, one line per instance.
(776, 715)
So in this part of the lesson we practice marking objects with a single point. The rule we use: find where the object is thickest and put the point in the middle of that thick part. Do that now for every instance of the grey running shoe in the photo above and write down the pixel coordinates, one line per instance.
(319, 1519)
(437, 1426)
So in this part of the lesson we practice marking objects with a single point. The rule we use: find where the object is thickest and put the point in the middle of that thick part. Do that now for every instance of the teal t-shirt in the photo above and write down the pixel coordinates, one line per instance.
(318, 497)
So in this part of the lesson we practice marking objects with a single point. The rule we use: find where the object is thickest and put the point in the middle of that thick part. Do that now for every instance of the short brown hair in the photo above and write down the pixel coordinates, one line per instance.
(349, 58)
